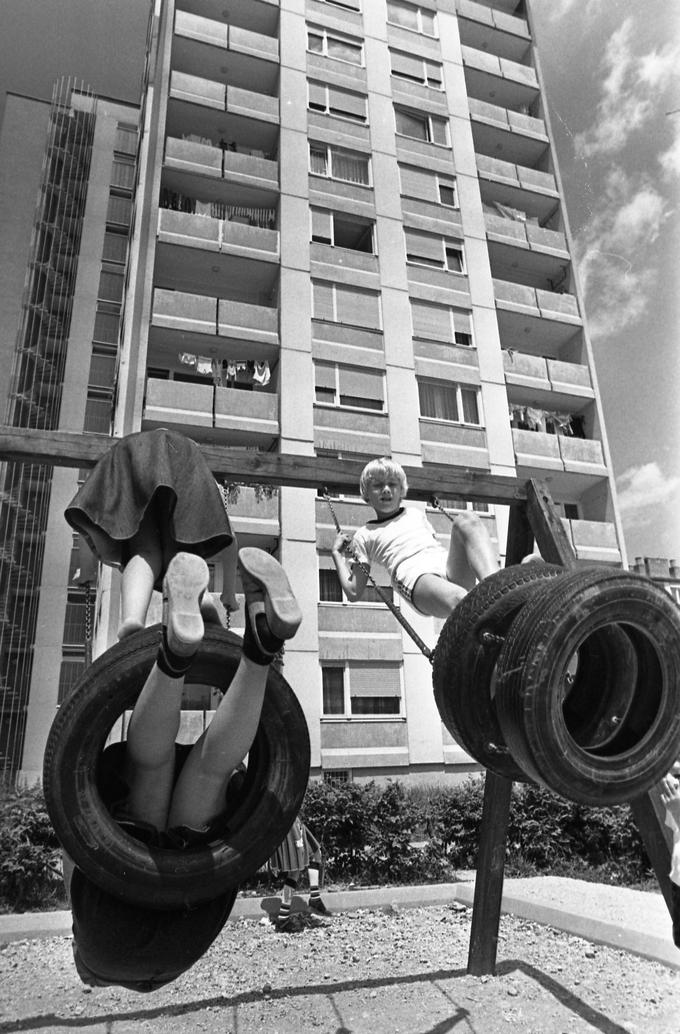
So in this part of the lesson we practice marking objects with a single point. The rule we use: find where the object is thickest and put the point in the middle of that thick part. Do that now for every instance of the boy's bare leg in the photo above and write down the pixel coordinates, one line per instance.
(472, 556)
(150, 746)
(436, 596)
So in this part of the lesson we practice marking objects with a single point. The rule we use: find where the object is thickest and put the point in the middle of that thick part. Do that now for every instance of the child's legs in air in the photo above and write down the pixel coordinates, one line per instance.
(140, 574)
(200, 791)
(472, 556)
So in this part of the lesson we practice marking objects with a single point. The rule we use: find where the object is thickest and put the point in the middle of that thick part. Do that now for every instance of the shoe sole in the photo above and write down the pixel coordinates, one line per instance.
(186, 579)
(280, 606)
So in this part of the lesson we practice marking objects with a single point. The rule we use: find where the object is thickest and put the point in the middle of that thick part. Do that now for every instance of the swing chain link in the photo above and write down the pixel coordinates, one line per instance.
(88, 623)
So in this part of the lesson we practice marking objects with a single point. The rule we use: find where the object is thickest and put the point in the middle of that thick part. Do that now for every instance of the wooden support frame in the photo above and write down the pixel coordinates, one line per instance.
(532, 518)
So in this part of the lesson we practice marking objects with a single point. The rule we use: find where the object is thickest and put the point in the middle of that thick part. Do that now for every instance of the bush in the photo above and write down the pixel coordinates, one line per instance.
(30, 858)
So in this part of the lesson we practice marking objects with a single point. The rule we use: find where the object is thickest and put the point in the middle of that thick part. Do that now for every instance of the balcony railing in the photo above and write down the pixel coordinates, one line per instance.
(493, 18)
(210, 160)
(247, 416)
(482, 61)
(516, 175)
(539, 373)
(200, 314)
(199, 231)
(558, 452)
(514, 121)
(232, 37)
(208, 93)
(548, 304)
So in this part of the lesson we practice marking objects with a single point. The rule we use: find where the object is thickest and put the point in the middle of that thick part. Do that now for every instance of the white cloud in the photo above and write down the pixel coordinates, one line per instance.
(642, 487)
(615, 254)
(631, 91)
(669, 160)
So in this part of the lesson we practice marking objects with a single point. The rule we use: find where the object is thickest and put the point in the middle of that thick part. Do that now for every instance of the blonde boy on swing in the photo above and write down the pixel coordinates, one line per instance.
(404, 542)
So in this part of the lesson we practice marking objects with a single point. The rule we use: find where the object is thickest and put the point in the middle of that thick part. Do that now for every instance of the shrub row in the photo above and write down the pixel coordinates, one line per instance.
(377, 834)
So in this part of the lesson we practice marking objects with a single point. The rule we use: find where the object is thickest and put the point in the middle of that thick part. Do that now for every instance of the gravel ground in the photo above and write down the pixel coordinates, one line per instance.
(382, 971)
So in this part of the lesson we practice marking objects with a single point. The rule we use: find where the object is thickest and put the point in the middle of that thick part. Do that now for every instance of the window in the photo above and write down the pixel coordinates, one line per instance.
(126, 139)
(330, 590)
(352, 386)
(342, 231)
(338, 164)
(441, 322)
(119, 210)
(71, 671)
(429, 128)
(337, 776)
(350, 5)
(411, 17)
(102, 368)
(423, 249)
(333, 100)
(330, 44)
(443, 400)
(428, 186)
(115, 246)
(111, 282)
(98, 412)
(448, 503)
(571, 511)
(74, 621)
(123, 174)
(416, 69)
(343, 303)
(358, 689)
(106, 326)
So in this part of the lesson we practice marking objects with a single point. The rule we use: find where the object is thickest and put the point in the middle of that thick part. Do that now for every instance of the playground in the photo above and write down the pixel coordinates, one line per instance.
(381, 970)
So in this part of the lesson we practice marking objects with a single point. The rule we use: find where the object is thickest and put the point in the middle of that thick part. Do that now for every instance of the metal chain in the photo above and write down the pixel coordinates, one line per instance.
(422, 646)
(88, 624)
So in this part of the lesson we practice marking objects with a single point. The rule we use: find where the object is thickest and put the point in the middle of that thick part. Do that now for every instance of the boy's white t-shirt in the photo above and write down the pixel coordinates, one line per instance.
(396, 539)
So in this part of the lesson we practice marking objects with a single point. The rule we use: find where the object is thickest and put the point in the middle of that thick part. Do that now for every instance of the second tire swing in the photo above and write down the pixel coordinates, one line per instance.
(577, 684)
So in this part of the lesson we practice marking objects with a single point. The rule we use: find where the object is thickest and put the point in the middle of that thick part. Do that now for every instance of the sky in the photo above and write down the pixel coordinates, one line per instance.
(611, 69)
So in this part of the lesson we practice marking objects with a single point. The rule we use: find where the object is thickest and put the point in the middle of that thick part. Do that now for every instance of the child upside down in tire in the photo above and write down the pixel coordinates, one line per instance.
(401, 538)
(670, 798)
(152, 506)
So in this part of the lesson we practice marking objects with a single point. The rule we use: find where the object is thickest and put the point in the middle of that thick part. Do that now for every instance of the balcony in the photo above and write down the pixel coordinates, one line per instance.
(516, 186)
(212, 110)
(572, 459)
(445, 442)
(182, 322)
(486, 28)
(205, 46)
(255, 519)
(536, 256)
(351, 430)
(237, 418)
(259, 175)
(533, 379)
(500, 130)
(223, 251)
(549, 318)
(488, 77)
(593, 541)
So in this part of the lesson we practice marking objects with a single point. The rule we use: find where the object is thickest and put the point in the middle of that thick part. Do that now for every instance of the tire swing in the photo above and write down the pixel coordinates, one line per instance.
(606, 732)
(465, 658)
(159, 877)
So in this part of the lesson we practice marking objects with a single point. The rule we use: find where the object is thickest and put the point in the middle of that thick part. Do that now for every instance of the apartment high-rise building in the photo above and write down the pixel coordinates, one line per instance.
(347, 239)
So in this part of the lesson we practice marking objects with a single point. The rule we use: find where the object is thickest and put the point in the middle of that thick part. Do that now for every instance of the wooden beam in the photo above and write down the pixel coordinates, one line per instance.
(71, 449)
(549, 533)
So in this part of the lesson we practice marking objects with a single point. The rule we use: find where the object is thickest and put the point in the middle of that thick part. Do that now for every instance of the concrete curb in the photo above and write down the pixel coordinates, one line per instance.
(531, 899)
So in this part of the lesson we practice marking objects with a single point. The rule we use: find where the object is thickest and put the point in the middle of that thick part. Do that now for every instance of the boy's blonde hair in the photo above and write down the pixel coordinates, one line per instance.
(382, 467)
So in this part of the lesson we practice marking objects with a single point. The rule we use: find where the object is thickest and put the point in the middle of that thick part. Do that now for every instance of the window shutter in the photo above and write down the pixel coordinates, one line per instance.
(461, 321)
(361, 383)
(439, 131)
(342, 102)
(432, 321)
(407, 65)
(317, 96)
(367, 680)
(357, 307)
(324, 375)
(415, 183)
(424, 245)
(322, 230)
(322, 300)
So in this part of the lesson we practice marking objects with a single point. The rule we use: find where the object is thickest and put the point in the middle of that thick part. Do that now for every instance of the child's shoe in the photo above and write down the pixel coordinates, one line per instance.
(185, 582)
(317, 905)
(273, 614)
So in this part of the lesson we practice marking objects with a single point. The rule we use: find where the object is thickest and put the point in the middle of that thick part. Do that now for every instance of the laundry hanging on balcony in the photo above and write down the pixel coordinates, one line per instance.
(534, 419)
(229, 373)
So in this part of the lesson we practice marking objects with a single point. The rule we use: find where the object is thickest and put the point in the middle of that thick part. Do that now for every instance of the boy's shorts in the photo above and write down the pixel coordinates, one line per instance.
(428, 561)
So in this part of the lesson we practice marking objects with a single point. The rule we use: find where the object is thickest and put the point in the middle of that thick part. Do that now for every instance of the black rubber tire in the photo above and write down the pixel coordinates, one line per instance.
(463, 662)
(634, 735)
(275, 784)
